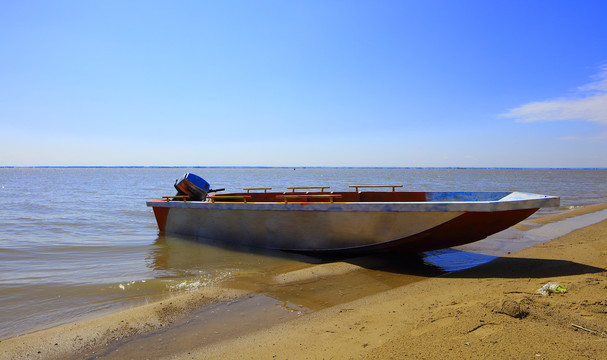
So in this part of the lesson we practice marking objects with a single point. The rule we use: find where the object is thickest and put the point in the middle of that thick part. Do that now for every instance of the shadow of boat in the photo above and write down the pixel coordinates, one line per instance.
(517, 267)
(463, 264)
(174, 252)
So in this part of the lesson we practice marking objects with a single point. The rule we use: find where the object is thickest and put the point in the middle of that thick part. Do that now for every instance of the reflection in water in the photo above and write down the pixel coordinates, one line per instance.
(197, 262)
(175, 255)
(454, 260)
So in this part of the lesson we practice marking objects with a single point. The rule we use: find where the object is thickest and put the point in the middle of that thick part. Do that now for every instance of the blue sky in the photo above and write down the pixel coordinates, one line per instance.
(304, 83)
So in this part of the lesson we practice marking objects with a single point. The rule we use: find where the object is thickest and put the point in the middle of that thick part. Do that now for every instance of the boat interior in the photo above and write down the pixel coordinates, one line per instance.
(317, 194)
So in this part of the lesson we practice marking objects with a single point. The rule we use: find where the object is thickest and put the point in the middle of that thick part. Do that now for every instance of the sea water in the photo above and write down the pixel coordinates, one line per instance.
(80, 241)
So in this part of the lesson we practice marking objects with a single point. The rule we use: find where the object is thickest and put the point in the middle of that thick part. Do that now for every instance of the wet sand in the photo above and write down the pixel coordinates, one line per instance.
(490, 311)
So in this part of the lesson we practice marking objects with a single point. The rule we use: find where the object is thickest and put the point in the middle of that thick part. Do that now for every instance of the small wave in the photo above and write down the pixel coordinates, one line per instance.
(196, 283)
(189, 285)
(173, 285)
(130, 284)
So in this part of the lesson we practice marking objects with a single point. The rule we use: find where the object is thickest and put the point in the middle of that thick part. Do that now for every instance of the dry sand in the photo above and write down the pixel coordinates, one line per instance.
(488, 312)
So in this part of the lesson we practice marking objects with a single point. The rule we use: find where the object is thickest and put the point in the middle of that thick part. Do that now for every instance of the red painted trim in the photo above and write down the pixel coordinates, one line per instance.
(466, 228)
(161, 214)
(350, 196)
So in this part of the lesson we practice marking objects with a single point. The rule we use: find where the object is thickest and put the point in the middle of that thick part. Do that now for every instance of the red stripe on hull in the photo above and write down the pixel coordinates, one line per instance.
(161, 214)
(464, 229)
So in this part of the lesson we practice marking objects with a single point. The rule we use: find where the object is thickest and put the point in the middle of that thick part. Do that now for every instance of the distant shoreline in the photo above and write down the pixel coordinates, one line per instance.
(305, 167)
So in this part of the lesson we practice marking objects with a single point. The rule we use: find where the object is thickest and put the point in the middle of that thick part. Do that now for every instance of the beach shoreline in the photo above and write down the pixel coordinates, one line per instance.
(469, 313)
(491, 311)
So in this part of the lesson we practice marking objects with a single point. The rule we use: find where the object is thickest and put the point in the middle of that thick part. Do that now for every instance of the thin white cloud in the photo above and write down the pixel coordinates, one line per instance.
(600, 84)
(591, 105)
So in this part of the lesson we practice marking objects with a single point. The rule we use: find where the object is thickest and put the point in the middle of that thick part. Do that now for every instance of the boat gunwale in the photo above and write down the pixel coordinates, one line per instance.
(512, 201)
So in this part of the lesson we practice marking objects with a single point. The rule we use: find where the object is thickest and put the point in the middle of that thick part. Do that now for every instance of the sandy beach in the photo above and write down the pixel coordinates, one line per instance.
(490, 311)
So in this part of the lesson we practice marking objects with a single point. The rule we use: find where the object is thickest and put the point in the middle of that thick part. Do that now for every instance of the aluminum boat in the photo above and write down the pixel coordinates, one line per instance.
(368, 218)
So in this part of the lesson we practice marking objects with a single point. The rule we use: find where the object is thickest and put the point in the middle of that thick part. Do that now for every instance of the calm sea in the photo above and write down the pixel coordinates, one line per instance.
(78, 241)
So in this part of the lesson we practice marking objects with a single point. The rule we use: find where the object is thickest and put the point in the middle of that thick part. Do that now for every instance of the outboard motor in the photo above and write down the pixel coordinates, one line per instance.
(194, 186)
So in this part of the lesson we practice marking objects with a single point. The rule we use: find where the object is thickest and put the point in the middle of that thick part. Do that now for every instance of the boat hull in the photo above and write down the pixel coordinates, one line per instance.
(350, 226)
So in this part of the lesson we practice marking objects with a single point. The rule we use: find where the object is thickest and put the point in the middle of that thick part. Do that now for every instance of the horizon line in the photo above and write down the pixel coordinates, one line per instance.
(292, 167)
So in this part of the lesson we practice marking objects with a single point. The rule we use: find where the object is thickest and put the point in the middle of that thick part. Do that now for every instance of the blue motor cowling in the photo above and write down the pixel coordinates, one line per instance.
(194, 186)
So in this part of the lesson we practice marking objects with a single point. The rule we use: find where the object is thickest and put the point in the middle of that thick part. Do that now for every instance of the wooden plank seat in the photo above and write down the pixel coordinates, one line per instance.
(216, 198)
(265, 189)
(307, 197)
(176, 197)
(322, 188)
(376, 186)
